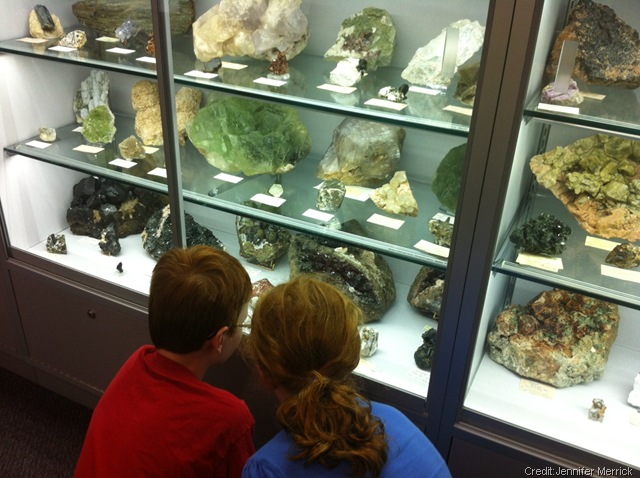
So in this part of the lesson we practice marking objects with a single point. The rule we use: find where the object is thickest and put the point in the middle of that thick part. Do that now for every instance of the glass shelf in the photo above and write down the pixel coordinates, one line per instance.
(201, 186)
(582, 264)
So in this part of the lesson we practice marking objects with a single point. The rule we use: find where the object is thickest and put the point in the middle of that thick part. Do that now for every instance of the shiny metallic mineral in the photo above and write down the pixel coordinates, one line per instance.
(625, 256)
(56, 244)
(544, 234)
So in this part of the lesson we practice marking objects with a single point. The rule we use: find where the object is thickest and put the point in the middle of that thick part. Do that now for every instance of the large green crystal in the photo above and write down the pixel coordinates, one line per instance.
(249, 136)
(446, 184)
(100, 125)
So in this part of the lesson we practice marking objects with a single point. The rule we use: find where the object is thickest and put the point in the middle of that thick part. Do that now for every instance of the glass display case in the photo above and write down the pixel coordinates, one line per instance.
(527, 378)
(383, 228)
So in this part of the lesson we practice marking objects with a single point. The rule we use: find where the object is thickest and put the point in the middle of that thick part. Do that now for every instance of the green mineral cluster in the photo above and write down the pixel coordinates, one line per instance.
(446, 184)
(100, 125)
(249, 136)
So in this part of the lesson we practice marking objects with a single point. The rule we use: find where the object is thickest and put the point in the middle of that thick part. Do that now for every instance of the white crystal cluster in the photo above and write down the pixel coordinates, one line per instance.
(634, 395)
(255, 28)
(94, 91)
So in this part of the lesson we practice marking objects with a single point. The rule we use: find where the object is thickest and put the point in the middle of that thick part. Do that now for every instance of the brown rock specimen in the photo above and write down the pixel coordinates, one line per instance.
(559, 337)
(608, 48)
(146, 103)
(104, 16)
(425, 293)
(598, 179)
(625, 256)
(51, 28)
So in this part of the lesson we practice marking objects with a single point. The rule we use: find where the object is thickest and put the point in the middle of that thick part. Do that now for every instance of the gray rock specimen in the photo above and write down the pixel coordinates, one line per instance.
(255, 28)
(260, 242)
(109, 243)
(369, 34)
(368, 341)
(73, 39)
(157, 237)
(99, 202)
(362, 275)
(148, 121)
(559, 337)
(249, 136)
(104, 16)
(362, 153)
(396, 196)
(132, 35)
(330, 195)
(426, 291)
(596, 178)
(442, 231)
(608, 48)
(94, 91)
(596, 412)
(424, 355)
(425, 68)
(56, 244)
(47, 134)
(43, 24)
(131, 148)
(100, 125)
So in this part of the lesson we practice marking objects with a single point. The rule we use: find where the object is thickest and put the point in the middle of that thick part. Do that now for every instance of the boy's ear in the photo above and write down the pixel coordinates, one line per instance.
(217, 341)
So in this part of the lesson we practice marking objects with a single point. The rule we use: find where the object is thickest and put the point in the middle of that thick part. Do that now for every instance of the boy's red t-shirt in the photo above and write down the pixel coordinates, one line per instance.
(158, 419)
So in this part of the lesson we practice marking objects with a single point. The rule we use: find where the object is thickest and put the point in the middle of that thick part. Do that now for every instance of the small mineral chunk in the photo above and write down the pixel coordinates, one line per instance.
(634, 395)
(368, 341)
(132, 148)
(442, 231)
(56, 244)
(396, 197)
(47, 134)
(544, 234)
(74, 39)
(596, 412)
(109, 243)
(571, 97)
(331, 195)
(625, 256)
(424, 354)
(279, 66)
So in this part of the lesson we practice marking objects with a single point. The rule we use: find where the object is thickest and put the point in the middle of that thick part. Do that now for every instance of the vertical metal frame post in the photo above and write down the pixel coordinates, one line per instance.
(160, 14)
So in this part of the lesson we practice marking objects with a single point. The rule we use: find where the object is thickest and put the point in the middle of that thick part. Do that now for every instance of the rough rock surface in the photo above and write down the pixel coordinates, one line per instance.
(100, 125)
(255, 28)
(598, 179)
(104, 16)
(559, 337)
(362, 275)
(249, 136)
(148, 122)
(425, 293)
(261, 242)
(362, 153)
(396, 196)
(52, 27)
(608, 48)
(93, 91)
(369, 34)
(448, 178)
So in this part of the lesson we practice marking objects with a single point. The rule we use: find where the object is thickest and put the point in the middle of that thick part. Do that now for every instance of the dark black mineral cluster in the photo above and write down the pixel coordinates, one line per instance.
(544, 234)
(424, 355)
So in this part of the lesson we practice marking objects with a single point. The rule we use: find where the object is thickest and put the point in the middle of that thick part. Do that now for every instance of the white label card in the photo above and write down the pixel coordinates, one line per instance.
(229, 178)
(559, 109)
(147, 59)
(121, 51)
(162, 172)
(33, 40)
(64, 49)
(319, 215)
(424, 91)
(337, 88)
(77, 130)
(458, 109)
(268, 200)
(536, 388)
(108, 39)
(385, 221)
(38, 144)
(150, 149)
(593, 96)
(123, 163)
(269, 81)
(431, 248)
(599, 243)
(201, 74)
(616, 272)
(440, 216)
(553, 264)
(233, 66)
(385, 104)
(85, 148)
(421, 376)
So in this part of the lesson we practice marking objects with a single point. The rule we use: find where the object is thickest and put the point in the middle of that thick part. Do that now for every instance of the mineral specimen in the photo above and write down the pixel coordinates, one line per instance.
(625, 256)
(109, 243)
(596, 412)
(47, 134)
(596, 178)
(148, 121)
(544, 234)
(369, 34)
(425, 293)
(254, 28)
(362, 153)
(396, 197)
(362, 275)
(104, 16)
(119, 268)
(73, 39)
(571, 97)
(279, 67)
(397, 95)
(56, 244)
(368, 341)
(43, 24)
(425, 68)
(559, 337)
(100, 125)
(87, 214)
(131, 148)
(330, 195)
(249, 136)
(260, 242)
(157, 236)
(608, 48)
(348, 72)
(423, 356)
(131, 34)
(94, 91)
(634, 395)
(446, 183)
(442, 231)
(467, 83)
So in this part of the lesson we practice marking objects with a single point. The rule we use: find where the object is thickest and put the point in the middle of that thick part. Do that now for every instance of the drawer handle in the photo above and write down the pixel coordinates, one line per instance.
(91, 313)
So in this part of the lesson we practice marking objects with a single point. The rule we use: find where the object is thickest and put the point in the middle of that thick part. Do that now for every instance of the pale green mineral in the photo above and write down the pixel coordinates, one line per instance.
(249, 136)
(100, 125)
